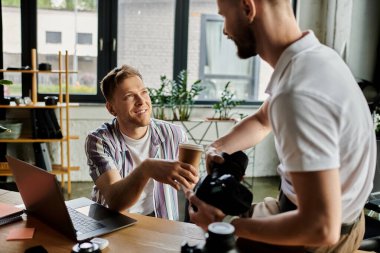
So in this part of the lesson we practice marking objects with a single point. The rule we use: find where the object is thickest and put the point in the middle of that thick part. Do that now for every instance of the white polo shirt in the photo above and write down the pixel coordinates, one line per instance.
(321, 121)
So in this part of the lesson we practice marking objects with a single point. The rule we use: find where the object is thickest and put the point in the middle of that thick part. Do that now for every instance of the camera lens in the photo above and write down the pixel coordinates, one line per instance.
(220, 238)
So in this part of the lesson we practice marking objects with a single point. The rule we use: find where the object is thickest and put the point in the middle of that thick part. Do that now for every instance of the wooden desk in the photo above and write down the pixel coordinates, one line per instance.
(147, 235)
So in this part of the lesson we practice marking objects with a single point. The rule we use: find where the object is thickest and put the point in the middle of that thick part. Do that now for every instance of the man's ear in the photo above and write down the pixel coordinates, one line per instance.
(249, 9)
(110, 108)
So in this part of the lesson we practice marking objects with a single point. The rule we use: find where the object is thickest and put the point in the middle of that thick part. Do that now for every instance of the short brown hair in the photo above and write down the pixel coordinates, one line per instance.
(115, 77)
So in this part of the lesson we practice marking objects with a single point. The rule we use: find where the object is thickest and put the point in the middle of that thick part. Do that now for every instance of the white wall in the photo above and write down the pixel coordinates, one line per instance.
(351, 27)
(364, 38)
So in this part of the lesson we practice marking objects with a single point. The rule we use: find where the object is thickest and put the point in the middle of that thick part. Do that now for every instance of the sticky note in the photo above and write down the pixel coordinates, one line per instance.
(20, 234)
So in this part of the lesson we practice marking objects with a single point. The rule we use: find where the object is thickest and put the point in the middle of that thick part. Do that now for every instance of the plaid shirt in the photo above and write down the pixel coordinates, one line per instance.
(106, 149)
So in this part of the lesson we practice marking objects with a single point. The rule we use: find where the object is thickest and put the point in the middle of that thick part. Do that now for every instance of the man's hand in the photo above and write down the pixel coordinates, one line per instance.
(212, 156)
(174, 173)
(205, 213)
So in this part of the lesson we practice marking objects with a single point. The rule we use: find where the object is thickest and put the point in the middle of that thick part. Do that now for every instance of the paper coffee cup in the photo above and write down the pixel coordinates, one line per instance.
(190, 153)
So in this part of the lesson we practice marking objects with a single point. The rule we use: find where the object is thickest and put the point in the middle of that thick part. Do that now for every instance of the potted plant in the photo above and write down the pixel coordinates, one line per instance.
(3, 100)
(182, 98)
(160, 98)
(6, 82)
(223, 107)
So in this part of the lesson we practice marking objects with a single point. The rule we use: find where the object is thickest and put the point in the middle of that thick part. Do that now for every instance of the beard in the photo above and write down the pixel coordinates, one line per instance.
(245, 52)
(246, 44)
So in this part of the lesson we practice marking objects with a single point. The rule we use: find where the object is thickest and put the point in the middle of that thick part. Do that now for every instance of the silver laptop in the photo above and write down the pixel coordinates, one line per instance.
(79, 219)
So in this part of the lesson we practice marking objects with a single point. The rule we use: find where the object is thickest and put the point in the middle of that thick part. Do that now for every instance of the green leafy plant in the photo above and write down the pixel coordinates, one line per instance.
(5, 101)
(226, 104)
(175, 94)
(6, 82)
(182, 98)
(160, 98)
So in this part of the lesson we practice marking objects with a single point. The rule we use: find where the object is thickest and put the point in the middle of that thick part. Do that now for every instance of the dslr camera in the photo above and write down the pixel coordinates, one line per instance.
(223, 188)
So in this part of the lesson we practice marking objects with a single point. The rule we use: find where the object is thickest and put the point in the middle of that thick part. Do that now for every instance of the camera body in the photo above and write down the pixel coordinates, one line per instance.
(223, 189)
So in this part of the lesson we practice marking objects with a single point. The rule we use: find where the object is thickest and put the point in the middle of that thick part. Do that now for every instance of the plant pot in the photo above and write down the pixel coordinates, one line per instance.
(5, 101)
(221, 119)
(161, 112)
(182, 112)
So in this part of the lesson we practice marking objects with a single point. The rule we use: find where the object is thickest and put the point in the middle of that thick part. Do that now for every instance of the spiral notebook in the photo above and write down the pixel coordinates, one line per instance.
(9, 213)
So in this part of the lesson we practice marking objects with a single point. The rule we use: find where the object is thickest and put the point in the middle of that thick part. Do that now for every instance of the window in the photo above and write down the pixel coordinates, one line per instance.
(12, 45)
(68, 17)
(102, 34)
(216, 50)
(54, 37)
(84, 38)
(209, 50)
(146, 37)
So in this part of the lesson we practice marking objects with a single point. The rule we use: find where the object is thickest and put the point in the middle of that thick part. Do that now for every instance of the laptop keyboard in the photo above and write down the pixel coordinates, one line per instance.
(82, 223)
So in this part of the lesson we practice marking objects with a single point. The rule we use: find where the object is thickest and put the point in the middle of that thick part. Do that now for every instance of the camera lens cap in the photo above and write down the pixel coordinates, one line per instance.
(86, 247)
(221, 228)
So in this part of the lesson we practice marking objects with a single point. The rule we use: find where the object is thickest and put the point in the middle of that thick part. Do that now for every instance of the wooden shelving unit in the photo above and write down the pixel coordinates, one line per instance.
(63, 107)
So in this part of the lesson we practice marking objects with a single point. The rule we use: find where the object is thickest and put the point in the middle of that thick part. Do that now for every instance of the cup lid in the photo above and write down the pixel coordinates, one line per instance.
(192, 146)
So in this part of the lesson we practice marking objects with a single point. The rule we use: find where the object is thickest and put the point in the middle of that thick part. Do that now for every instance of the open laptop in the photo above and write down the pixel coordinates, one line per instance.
(79, 219)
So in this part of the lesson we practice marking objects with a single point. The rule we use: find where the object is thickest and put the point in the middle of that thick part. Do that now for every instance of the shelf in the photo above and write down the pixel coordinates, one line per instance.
(31, 71)
(57, 169)
(25, 139)
(63, 108)
(39, 105)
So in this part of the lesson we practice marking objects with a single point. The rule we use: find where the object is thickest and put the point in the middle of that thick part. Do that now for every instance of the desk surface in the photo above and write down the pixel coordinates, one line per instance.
(147, 235)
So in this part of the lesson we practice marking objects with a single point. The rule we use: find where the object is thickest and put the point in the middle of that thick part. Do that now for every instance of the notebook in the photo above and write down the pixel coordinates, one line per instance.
(79, 219)
(9, 213)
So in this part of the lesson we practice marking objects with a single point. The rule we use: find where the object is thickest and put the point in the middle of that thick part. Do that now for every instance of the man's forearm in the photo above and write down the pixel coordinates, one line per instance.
(246, 134)
(317, 220)
(124, 193)
(287, 229)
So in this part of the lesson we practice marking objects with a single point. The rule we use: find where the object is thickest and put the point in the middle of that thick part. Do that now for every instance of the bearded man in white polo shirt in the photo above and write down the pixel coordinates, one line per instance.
(323, 134)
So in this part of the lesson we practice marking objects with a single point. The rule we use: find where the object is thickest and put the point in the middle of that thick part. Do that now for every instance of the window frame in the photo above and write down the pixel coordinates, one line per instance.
(202, 61)
(107, 50)
(107, 33)
(107, 44)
